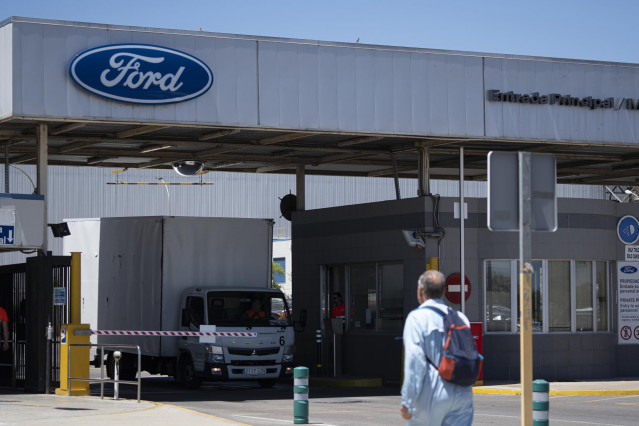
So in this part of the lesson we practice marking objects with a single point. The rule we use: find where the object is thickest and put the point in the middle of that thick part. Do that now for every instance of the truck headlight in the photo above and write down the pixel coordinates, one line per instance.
(288, 353)
(212, 349)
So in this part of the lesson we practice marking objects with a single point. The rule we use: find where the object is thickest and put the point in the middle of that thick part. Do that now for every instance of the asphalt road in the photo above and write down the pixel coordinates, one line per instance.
(245, 402)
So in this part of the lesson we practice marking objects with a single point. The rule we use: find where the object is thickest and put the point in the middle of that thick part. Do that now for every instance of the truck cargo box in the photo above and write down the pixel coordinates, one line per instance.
(135, 268)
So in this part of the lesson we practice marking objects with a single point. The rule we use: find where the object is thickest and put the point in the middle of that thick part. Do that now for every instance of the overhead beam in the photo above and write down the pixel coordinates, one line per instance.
(218, 134)
(387, 172)
(154, 163)
(138, 131)
(357, 141)
(342, 157)
(74, 146)
(275, 167)
(284, 138)
(10, 133)
(66, 128)
(215, 151)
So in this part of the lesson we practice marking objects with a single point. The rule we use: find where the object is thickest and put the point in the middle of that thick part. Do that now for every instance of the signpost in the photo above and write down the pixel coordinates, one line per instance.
(522, 197)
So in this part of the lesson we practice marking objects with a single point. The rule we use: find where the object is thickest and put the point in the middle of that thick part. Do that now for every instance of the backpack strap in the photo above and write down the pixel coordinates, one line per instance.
(440, 312)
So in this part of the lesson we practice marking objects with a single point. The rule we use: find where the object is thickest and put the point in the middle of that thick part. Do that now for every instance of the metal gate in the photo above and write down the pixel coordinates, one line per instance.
(26, 293)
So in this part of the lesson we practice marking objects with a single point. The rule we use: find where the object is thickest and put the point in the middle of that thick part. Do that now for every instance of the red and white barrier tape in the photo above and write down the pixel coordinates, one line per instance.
(173, 333)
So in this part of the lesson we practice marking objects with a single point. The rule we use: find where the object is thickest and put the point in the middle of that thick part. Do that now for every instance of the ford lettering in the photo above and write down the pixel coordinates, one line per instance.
(140, 74)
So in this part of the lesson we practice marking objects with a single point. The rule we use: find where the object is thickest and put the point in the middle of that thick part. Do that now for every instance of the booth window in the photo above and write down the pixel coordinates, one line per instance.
(376, 296)
(601, 290)
(499, 277)
(568, 296)
(559, 303)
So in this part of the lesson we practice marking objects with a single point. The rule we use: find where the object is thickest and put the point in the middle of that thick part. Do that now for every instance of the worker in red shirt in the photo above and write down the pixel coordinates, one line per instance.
(339, 310)
(4, 319)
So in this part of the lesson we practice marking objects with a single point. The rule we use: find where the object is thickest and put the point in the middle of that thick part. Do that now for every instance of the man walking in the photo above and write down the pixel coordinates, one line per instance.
(427, 399)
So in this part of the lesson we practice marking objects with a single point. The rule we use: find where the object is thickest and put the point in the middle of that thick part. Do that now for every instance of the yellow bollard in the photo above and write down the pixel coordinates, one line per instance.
(79, 360)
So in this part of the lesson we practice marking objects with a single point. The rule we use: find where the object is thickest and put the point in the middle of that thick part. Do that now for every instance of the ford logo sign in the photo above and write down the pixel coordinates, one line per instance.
(140, 74)
(628, 269)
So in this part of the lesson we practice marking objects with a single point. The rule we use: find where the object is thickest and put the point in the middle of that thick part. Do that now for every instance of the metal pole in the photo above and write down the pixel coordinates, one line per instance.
(6, 168)
(42, 162)
(525, 289)
(101, 372)
(47, 369)
(462, 232)
(300, 187)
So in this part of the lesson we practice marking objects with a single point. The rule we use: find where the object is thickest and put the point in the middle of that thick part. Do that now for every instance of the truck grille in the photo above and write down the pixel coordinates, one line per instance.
(250, 352)
(253, 363)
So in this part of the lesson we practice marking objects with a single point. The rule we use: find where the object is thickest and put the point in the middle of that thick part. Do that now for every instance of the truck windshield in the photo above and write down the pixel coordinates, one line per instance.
(247, 308)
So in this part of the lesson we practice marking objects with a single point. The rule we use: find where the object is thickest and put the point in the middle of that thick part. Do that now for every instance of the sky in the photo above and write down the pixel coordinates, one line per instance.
(603, 30)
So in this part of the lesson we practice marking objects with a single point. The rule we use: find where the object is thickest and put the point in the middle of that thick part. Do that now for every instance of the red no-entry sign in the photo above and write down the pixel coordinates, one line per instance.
(453, 288)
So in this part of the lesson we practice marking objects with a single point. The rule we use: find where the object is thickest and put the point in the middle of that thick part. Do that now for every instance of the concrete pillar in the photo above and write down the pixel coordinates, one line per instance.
(42, 161)
(300, 187)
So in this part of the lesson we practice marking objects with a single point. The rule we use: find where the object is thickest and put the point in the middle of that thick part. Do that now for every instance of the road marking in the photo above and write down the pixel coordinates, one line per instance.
(552, 419)
(279, 420)
(202, 414)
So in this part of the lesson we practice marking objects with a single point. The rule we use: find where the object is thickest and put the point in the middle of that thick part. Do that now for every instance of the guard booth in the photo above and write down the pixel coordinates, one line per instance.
(27, 294)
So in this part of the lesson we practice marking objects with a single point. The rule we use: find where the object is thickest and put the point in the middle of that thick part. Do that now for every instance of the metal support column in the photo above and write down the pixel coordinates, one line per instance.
(525, 287)
(462, 232)
(423, 171)
(6, 168)
(300, 185)
(41, 164)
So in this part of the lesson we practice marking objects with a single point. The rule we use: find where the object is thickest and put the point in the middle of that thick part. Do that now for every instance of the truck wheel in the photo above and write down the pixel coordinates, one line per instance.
(267, 383)
(186, 370)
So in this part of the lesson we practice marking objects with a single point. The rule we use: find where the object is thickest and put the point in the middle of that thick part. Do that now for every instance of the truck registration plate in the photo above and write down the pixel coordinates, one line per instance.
(254, 371)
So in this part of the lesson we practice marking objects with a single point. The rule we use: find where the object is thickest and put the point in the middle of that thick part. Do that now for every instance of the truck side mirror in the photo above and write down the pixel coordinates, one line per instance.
(300, 324)
(185, 317)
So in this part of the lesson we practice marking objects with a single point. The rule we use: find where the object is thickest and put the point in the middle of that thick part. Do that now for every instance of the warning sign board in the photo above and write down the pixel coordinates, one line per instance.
(628, 302)
(632, 253)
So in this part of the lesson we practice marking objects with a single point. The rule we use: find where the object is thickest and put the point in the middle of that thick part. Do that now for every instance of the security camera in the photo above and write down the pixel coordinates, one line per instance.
(188, 167)
(414, 238)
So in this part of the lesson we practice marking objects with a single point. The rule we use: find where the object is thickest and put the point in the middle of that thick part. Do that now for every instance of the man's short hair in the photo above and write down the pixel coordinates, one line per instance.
(337, 294)
(433, 282)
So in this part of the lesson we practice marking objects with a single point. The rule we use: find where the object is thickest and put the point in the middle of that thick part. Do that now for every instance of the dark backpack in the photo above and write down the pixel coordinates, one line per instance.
(460, 362)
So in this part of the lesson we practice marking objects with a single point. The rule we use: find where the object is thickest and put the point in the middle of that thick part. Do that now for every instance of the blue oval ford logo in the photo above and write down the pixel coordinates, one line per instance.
(628, 269)
(140, 74)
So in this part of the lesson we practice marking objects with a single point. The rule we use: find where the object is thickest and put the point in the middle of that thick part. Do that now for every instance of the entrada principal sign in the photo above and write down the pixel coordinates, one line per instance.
(563, 100)
(141, 74)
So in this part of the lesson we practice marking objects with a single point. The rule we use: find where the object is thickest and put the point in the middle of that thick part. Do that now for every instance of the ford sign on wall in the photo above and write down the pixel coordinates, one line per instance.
(141, 74)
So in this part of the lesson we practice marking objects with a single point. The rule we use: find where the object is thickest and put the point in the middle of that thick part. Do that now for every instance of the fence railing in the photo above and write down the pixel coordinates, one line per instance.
(102, 379)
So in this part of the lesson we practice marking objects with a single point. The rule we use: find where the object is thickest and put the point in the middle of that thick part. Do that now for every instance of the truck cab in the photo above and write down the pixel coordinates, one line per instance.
(264, 358)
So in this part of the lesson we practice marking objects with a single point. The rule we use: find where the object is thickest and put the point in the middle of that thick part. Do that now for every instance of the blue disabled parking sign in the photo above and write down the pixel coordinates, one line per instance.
(628, 229)
(7, 235)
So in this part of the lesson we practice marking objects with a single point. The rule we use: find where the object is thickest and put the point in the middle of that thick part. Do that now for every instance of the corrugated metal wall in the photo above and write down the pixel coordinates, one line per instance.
(76, 192)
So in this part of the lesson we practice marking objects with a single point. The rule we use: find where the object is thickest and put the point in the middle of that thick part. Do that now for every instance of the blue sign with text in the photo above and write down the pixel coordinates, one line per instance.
(7, 235)
(141, 74)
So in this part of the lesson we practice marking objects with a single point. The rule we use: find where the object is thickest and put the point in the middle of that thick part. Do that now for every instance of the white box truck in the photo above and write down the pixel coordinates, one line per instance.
(185, 274)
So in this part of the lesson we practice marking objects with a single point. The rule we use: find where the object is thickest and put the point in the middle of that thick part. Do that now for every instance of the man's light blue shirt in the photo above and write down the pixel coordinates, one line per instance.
(430, 399)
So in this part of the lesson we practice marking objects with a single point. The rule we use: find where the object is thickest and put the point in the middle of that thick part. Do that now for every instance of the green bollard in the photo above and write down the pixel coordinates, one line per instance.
(540, 402)
(300, 391)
